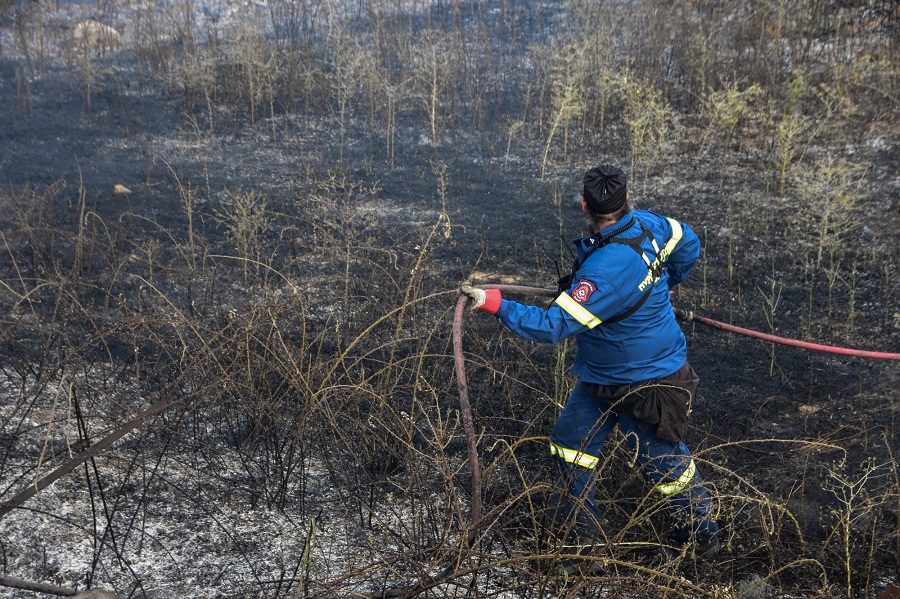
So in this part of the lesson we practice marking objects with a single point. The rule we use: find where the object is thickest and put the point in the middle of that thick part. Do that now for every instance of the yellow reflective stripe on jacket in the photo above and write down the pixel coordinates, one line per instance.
(655, 270)
(677, 232)
(683, 481)
(576, 310)
(573, 456)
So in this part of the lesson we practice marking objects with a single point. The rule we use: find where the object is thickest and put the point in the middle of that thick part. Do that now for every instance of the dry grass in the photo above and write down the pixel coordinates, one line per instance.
(303, 343)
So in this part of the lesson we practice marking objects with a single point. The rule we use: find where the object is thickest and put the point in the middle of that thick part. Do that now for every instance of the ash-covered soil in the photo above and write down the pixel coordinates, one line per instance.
(314, 446)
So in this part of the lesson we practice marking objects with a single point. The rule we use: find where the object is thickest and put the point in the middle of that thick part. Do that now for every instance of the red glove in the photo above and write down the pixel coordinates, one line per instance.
(486, 300)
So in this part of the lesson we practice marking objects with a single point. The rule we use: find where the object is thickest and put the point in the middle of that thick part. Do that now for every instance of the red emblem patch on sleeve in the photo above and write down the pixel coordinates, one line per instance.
(583, 291)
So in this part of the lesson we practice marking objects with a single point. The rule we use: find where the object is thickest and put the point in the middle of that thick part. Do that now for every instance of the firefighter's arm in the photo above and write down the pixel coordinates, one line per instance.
(574, 311)
(530, 322)
(537, 324)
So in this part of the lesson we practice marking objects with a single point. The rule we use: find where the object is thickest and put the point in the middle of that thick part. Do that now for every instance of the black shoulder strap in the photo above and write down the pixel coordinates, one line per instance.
(597, 242)
(632, 309)
(632, 242)
(635, 244)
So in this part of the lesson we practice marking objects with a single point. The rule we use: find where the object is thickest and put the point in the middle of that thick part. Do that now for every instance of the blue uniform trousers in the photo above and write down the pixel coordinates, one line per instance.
(576, 441)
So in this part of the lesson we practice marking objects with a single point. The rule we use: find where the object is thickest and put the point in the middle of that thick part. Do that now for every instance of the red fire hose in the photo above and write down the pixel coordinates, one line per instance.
(465, 407)
(689, 316)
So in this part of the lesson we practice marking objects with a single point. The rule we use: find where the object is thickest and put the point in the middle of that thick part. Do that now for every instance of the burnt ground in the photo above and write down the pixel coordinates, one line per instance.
(795, 444)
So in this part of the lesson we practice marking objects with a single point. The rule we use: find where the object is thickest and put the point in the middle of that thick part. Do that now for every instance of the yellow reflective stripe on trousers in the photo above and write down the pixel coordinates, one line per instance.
(573, 456)
(577, 311)
(683, 481)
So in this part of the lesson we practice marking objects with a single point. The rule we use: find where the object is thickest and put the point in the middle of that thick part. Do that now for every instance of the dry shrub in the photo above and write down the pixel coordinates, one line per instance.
(306, 351)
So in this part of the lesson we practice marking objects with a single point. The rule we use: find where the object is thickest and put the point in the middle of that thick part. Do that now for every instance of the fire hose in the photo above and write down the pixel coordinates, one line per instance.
(689, 316)
(467, 419)
(686, 315)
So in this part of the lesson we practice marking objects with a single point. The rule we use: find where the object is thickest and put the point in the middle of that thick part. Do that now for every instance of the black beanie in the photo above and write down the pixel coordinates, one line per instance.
(605, 188)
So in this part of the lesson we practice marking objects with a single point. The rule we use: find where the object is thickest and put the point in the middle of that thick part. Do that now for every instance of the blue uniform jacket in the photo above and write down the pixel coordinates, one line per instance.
(649, 343)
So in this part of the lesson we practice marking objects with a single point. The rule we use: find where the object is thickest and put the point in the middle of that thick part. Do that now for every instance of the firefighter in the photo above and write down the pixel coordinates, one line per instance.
(631, 361)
